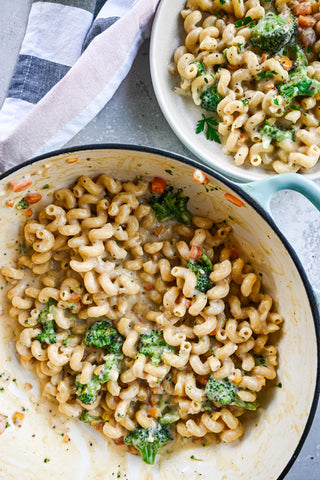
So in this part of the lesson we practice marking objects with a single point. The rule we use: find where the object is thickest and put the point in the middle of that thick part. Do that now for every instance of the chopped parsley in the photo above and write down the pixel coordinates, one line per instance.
(208, 124)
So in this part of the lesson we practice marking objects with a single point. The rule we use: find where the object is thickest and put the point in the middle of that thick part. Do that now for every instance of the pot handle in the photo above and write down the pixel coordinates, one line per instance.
(263, 190)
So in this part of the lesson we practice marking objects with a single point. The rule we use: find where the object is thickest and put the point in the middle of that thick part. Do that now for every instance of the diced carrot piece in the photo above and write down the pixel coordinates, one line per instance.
(268, 85)
(72, 160)
(10, 203)
(303, 8)
(66, 439)
(202, 380)
(235, 200)
(242, 139)
(28, 212)
(199, 177)
(307, 37)
(158, 185)
(285, 62)
(18, 417)
(153, 412)
(119, 441)
(22, 184)
(214, 332)
(305, 21)
(148, 287)
(195, 252)
(185, 301)
(234, 253)
(74, 298)
(99, 426)
(32, 198)
(264, 57)
(157, 231)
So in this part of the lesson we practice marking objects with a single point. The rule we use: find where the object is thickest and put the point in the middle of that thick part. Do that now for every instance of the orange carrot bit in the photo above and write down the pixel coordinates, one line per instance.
(214, 332)
(17, 418)
(243, 137)
(157, 231)
(303, 8)
(202, 380)
(72, 160)
(234, 254)
(285, 62)
(66, 439)
(264, 57)
(199, 177)
(195, 252)
(235, 200)
(153, 412)
(158, 185)
(74, 298)
(32, 198)
(305, 21)
(148, 287)
(268, 85)
(261, 379)
(185, 301)
(28, 212)
(119, 441)
(99, 426)
(21, 184)
(10, 203)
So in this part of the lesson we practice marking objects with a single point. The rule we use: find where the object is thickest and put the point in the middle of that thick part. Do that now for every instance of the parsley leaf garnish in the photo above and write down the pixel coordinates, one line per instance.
(266, 74)
(243, 21)
(208, 125)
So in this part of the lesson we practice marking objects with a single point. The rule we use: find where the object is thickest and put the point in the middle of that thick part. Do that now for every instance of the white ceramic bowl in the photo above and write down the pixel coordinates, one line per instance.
(180, 112)
(273, 435)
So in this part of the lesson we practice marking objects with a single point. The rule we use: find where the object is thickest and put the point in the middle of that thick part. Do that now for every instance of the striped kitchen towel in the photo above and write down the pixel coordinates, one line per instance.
(74, 56)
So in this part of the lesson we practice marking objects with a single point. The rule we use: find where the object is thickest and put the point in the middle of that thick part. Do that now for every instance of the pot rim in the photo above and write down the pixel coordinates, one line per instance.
(254, 204)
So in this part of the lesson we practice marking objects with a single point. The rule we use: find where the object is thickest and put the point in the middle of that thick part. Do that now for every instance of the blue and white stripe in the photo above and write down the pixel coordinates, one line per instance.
(63, 41)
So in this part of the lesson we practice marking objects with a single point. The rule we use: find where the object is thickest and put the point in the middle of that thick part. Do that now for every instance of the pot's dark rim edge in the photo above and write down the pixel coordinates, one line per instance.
(265, 215)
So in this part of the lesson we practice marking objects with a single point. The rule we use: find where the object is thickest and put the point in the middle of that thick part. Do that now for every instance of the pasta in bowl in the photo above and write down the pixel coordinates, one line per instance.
(247, 77)
(144, 313)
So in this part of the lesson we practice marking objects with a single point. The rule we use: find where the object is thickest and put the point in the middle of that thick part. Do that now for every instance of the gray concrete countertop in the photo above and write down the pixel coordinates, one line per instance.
(133, 116)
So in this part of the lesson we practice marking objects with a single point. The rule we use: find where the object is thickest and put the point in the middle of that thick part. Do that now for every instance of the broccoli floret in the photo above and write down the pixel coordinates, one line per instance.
(299, 55)
(103, 334)
(202, 268)
(171, 204)
(46, 318)
(225, 392)
(153, 345)
(149, 441)
(210, 99)
(201, 69)
(272, 132)
(273, 32)
(109, 370)
(86, 417)
(299, 84)
(169, 411)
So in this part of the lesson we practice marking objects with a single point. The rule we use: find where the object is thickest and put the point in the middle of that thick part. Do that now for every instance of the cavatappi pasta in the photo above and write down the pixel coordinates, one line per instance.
(266, 84)
(148, 328)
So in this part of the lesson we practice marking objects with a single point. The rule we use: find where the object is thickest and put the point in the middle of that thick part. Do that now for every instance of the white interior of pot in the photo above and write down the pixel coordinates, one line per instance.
(271, 434)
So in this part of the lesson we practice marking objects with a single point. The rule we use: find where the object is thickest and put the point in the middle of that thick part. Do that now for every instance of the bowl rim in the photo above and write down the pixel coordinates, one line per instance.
(254, 204)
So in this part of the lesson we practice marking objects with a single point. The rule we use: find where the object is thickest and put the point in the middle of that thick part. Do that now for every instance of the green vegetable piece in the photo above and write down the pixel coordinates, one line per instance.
(46, 318)
(86, 417)
(171, 204)
(22, 204)
(169, 411)
(202, 268)
(210, 99)
(225, 392)
(87, 392)
(299, 84)
(272, 132)
(149, 441)
(300, 57)
(103, 334)
(201, 69)
(153, 345)
(273, 32)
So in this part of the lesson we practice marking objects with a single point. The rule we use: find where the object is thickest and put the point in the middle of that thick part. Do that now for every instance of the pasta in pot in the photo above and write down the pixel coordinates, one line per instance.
(140, 318)
(253, 66)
